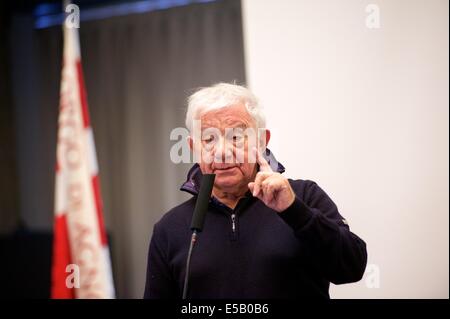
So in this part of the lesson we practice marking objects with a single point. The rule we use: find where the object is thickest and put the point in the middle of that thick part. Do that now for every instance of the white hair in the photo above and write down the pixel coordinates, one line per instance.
(222, 95)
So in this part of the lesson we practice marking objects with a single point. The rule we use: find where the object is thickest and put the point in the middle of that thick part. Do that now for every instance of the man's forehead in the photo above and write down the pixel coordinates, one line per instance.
(234, 116)
(226, 122)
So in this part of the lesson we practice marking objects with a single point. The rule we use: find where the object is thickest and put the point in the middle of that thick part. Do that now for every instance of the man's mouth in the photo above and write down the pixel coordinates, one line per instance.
(224, 168)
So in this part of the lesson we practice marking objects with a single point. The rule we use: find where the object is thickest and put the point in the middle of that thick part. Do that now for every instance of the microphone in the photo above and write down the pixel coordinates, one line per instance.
(198, 219)
(201, 206)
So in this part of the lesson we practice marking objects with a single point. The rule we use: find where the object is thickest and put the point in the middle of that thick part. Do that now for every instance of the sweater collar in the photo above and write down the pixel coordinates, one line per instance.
(194, 176)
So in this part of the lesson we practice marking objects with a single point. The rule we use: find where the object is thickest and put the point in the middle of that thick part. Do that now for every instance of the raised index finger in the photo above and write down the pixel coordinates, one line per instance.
(263, 164)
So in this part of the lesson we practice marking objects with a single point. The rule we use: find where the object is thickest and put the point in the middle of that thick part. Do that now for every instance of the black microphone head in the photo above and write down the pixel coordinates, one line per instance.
(201, 206)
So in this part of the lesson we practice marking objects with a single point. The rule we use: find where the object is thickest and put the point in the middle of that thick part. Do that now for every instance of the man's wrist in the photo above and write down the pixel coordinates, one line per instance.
(297, 215)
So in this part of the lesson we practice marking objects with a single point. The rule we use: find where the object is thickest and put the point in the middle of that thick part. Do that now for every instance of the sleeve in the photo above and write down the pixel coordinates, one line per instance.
(330, 245)
(159, 283)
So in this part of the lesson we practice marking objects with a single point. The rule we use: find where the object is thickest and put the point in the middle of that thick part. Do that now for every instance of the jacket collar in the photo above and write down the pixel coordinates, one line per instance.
(194, 176)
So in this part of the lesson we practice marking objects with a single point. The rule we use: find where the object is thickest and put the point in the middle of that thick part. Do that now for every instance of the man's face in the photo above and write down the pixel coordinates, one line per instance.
(228, 134)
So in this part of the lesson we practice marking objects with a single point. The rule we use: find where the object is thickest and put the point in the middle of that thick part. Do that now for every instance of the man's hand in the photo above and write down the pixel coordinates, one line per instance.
(271, 187)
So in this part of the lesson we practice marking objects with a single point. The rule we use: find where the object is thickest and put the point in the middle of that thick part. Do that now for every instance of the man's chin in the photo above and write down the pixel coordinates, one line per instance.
(226, 182)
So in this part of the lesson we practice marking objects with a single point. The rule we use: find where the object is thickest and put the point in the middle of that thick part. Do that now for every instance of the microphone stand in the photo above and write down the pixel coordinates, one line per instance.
(198, 218)
(188, 263)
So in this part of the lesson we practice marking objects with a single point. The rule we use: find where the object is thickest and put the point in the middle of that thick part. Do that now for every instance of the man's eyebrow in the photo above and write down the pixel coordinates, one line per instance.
(236, 123)
(241, 125)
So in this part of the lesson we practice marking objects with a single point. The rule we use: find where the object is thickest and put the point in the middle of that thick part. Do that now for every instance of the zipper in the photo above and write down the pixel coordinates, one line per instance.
(233, 222)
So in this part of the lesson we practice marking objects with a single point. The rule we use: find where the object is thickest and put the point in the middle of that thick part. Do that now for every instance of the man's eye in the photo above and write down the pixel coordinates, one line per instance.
(237, 138)
(208, 139)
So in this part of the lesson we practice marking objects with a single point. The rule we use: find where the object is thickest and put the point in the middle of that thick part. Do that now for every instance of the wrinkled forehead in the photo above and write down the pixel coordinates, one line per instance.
(228, 117)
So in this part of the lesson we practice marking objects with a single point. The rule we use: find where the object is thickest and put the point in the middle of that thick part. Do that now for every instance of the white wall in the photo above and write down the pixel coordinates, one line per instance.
(364, 112)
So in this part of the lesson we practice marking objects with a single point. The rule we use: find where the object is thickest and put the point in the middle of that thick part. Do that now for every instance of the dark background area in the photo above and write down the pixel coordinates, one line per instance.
(139, 69)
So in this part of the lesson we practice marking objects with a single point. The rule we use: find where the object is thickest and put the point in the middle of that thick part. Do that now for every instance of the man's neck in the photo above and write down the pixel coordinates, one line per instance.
(231, 197)
(228, 198)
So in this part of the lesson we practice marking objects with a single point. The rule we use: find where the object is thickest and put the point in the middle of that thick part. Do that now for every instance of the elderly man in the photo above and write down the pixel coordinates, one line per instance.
(265, 236)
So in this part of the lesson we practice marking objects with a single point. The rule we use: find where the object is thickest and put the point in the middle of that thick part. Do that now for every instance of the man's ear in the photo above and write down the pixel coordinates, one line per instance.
(267, 137)
(264, 140)
(190, 142)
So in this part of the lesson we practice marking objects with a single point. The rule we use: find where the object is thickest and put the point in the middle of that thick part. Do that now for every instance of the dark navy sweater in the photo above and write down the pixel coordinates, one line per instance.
(253, 251)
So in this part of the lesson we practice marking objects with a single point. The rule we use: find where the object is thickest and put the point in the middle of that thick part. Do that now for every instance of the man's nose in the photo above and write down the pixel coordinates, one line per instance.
(223, 151)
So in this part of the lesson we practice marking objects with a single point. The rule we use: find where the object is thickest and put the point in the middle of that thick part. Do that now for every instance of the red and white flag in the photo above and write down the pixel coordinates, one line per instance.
(81, 261)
